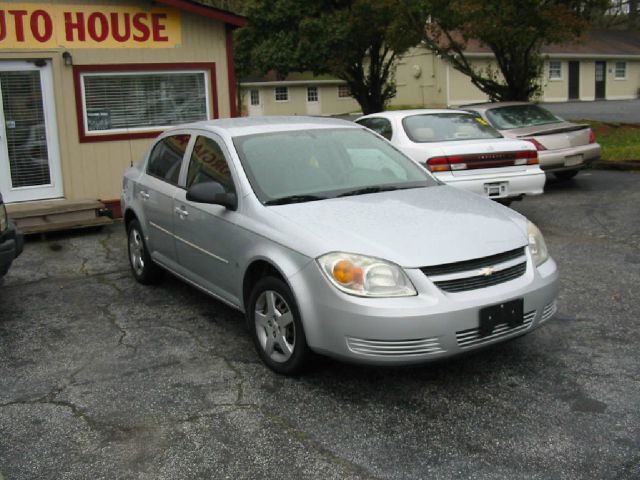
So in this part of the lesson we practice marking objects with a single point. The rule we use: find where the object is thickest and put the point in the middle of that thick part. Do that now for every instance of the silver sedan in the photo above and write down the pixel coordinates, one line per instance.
(332, 241)
(564, 148)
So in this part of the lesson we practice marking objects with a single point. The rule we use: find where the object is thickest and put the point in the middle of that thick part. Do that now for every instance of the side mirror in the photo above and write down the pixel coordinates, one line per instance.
(213, 193)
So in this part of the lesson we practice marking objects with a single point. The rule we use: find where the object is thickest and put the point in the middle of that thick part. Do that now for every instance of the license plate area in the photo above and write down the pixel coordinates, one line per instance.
(572, 160)
(496, 189)
(510, 313)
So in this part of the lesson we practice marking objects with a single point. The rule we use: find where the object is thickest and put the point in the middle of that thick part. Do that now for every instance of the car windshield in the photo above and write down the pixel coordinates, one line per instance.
(308, 165)
(446, 127)
(520, 116)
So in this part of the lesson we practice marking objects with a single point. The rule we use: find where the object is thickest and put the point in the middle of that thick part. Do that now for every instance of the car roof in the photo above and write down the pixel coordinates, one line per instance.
(408, 113)
(237, 127)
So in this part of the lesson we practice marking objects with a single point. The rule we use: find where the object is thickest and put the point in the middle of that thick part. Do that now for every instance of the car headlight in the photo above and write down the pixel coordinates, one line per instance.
(537, 245)
(4, 222)
(365, 276)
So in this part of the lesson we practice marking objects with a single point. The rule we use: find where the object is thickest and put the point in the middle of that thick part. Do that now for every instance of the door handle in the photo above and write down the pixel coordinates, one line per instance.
(144, 195)
(182, 212)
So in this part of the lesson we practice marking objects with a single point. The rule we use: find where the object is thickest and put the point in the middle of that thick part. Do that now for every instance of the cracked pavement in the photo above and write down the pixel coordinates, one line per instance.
(103, 378)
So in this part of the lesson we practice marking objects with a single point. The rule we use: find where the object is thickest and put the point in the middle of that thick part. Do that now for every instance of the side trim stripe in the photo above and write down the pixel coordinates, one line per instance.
(186, 242)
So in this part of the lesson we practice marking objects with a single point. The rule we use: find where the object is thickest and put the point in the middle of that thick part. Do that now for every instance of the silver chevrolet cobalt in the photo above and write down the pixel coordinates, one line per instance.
(332, 241)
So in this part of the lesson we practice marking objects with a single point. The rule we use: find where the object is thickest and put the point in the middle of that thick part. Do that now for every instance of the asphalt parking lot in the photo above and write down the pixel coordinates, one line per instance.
(103, 378)
(616, 111)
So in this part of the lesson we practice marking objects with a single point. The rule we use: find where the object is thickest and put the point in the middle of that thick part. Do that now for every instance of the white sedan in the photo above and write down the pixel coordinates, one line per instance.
(463, 150)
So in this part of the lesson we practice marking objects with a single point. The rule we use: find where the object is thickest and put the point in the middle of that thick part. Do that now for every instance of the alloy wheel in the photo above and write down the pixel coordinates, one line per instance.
(274, 325)
(136, 251)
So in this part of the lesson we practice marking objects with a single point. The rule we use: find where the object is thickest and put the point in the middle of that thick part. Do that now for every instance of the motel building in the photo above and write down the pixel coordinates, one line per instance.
(86, 85)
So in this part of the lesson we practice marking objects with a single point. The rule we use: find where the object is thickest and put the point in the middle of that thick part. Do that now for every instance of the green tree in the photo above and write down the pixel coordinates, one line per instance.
(514, 30)
(357, 41)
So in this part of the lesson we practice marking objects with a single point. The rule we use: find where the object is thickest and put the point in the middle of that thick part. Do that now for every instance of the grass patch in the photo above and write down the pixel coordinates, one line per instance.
(619, 141)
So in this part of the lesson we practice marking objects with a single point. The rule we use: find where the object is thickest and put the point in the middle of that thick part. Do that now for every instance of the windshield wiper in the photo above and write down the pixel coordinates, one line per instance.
(365, 190)
(294, 199)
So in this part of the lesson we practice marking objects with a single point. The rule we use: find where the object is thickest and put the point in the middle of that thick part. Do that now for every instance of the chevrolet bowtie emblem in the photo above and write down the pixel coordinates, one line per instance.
(487, 271)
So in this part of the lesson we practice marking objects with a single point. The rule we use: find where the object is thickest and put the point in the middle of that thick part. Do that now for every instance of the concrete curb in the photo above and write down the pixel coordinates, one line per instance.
(623, 165)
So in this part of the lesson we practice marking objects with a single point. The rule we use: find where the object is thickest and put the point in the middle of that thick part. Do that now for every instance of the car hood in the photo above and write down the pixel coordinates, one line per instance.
(413, 228)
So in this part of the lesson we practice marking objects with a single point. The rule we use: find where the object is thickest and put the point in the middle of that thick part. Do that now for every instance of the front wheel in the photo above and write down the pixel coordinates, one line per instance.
(274, 323)
(142, 267)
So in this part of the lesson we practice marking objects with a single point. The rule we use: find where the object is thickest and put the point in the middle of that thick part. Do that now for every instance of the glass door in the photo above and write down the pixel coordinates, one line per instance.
(29, 160)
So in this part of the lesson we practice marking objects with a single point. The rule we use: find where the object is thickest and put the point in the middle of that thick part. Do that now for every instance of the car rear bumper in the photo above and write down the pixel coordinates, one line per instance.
(573, 158)
(431, 325)
(516, 184)
(11, 245)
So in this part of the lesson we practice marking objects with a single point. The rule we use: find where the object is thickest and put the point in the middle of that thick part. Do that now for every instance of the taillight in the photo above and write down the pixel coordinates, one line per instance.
(527, 157)
(482, 160)
(438, 164)
(536, 143)
(592, 136)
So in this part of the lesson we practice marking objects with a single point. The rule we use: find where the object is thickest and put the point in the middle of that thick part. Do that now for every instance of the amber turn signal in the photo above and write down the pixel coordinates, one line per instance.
(346, 272)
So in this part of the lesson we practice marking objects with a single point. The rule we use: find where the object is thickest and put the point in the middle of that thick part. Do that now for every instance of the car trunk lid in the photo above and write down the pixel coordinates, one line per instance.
(555, 136)
(474, 157)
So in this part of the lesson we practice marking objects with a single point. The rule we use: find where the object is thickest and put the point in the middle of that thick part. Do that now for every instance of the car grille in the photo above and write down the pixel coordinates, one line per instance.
(549, 311)
(471, 337)
(395, 348)
(476, 280)
(480, 281)
(467, 265)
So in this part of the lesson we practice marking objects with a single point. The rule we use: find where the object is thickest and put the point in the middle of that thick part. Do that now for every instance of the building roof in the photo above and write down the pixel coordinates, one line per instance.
(294, 78)
(207, 11)
(593, 43)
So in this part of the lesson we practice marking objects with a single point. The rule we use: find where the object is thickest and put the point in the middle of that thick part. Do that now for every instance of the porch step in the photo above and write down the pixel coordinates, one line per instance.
(52, 215)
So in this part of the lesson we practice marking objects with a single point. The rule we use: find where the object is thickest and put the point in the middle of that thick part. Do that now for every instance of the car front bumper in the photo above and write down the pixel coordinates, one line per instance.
(573, 158)
(516, 184)
(431, 325)
(11, 245)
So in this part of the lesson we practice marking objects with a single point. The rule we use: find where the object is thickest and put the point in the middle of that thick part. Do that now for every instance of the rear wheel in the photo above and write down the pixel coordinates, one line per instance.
(566, 175)
(142, 267)
(274, 323)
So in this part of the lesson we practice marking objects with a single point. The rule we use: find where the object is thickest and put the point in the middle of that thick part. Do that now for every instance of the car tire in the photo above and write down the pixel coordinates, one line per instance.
(274, 323)
(142, 266)
(566, 175)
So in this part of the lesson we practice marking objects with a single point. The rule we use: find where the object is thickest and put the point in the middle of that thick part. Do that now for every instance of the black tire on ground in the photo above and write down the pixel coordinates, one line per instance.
(142, 266)
(566, 175)
(274, 324)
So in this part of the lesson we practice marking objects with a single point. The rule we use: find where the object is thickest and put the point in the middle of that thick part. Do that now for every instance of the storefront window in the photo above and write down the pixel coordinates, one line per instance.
(138, 101)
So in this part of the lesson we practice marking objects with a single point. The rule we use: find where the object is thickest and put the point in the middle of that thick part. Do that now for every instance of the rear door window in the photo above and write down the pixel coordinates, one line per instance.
(381, 126)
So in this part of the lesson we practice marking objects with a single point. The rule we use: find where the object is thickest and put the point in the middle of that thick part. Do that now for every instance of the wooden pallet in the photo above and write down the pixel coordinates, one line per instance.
(53, 215)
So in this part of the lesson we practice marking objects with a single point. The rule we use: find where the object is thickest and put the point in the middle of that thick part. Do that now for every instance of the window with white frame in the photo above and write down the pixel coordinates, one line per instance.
(621, 70)
(255, 96)
(312, 94)
(116, 102)
(282, 94)
(555, 70)
(344, 91)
